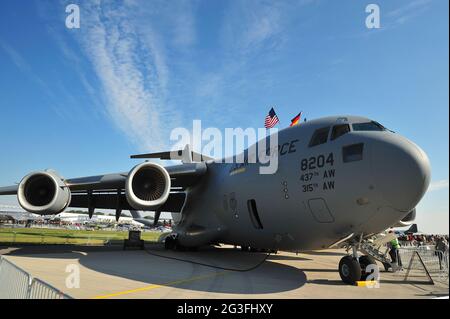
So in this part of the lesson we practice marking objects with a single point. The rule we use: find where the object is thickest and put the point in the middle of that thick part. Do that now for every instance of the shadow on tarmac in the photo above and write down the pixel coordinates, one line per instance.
(144, 267)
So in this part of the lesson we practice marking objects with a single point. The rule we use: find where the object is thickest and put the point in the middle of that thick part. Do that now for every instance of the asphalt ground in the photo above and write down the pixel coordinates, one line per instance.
(216, 272)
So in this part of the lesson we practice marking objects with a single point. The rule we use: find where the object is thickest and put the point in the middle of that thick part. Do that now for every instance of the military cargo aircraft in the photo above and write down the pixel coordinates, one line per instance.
(339, 180)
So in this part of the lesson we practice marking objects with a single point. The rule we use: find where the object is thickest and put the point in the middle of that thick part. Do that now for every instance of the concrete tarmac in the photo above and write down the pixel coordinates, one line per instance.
(110, 272)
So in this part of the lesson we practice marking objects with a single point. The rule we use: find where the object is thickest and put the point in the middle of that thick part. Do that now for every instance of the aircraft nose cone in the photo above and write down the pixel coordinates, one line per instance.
(402, 172)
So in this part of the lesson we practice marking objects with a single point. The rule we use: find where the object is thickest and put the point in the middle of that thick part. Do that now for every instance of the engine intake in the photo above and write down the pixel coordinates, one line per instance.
(147, 186)
(408, 220)
(43, 193)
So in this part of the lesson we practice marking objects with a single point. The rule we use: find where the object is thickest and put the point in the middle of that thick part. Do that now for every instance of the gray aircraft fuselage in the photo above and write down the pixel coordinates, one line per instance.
(361, 182)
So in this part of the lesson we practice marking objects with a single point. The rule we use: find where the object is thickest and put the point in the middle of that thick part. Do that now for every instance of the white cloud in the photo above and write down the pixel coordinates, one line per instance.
(406, 12)
(132, 71)
(408, 8)
(15, 57)
(250, 25)
(438, 185)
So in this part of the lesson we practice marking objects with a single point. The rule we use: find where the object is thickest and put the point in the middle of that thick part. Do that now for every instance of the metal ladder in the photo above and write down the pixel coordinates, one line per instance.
(369, 249)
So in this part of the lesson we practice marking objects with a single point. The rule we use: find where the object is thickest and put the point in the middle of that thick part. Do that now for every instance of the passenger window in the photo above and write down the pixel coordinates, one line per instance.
(352, 153)
(320, 136)
(369, 126)
(339, 130)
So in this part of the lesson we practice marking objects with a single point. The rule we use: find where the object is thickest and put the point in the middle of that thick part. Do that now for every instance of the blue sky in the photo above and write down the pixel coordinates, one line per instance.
(82, 100)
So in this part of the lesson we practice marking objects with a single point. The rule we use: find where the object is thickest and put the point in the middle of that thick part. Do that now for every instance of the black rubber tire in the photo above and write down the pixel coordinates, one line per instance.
(244, 248)
(349, 270)
(179, 247)
(169, 243)
(365, 261)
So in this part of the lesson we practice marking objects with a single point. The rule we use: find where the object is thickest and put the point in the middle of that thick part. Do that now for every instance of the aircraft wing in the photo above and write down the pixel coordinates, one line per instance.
(108, 191)
(9, 190)
(181, 176)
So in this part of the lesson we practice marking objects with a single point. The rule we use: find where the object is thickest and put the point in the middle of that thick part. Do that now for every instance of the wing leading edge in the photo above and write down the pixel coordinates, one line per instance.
(108, 191)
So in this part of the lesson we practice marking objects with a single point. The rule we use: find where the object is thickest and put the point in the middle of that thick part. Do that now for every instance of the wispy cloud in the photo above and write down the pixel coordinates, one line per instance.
(15, 57)
(403, 14)
(410, 10)
(251, 25)
(395, 18)
(145, 58)
(438, 185)
(251, 34)
(131, 68)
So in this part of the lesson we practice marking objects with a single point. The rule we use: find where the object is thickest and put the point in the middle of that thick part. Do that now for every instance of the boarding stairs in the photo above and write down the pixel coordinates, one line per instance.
(372, 247)
(368, 249)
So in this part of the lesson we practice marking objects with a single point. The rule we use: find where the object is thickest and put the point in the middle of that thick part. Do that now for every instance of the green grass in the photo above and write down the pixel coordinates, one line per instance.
(64, 236)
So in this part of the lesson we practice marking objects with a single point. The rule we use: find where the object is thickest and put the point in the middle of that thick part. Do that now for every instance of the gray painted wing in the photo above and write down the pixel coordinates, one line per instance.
(104, 189)
(9, 190)
(182, 176)
(173, 204)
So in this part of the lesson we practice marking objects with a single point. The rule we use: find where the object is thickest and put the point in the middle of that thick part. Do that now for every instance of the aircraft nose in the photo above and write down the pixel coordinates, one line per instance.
(402, 172)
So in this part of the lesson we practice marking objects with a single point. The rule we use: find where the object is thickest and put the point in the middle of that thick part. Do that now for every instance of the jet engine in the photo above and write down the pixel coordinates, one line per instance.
(43, 193)
(147, 186)
(408, 220)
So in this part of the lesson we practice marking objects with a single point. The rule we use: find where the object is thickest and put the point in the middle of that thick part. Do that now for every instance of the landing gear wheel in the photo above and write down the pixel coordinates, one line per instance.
(365, 261)
(169, 243)
(245, 248)
(387, 266)
(179, 247)
(349, 270)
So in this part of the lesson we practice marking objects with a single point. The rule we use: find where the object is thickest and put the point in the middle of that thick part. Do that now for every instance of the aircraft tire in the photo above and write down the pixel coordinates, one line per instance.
(179, 247)
(169, 243)
(365, 261)
(386, 266)
(349, 270)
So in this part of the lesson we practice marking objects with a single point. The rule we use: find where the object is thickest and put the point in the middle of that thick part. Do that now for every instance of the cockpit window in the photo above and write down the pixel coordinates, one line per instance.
(320, 136)
(339, 130)
(369, 126)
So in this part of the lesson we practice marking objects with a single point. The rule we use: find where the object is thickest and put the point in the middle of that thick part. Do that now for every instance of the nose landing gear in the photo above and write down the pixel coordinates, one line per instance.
(353, 268)
(349, 270)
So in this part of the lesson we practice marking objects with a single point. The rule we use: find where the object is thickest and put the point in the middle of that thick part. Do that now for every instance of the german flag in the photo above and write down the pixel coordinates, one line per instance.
(296, 119)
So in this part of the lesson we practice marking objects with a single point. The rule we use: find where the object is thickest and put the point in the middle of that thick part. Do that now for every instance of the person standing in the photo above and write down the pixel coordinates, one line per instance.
(441, 249)
(394, 250)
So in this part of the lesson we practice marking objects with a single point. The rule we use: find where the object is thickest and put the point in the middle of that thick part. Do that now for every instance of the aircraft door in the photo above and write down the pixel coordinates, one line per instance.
(320, 211)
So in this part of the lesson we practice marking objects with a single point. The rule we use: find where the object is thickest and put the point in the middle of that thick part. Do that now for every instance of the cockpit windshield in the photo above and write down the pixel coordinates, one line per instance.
(368, 126)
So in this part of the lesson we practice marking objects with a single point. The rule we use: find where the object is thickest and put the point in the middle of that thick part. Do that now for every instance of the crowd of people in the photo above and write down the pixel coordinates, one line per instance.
(423, 240)
(438, 243)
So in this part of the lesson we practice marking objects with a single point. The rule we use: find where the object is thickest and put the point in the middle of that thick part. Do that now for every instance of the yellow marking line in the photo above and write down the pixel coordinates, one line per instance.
(172, 283)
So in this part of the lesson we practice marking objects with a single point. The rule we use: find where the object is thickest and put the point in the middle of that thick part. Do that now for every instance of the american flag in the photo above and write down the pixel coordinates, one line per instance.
(271, 119)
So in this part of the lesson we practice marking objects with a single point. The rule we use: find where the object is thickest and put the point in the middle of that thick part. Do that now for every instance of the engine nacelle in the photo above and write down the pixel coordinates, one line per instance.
(147, 186)
(408, 220)
(43, 193)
